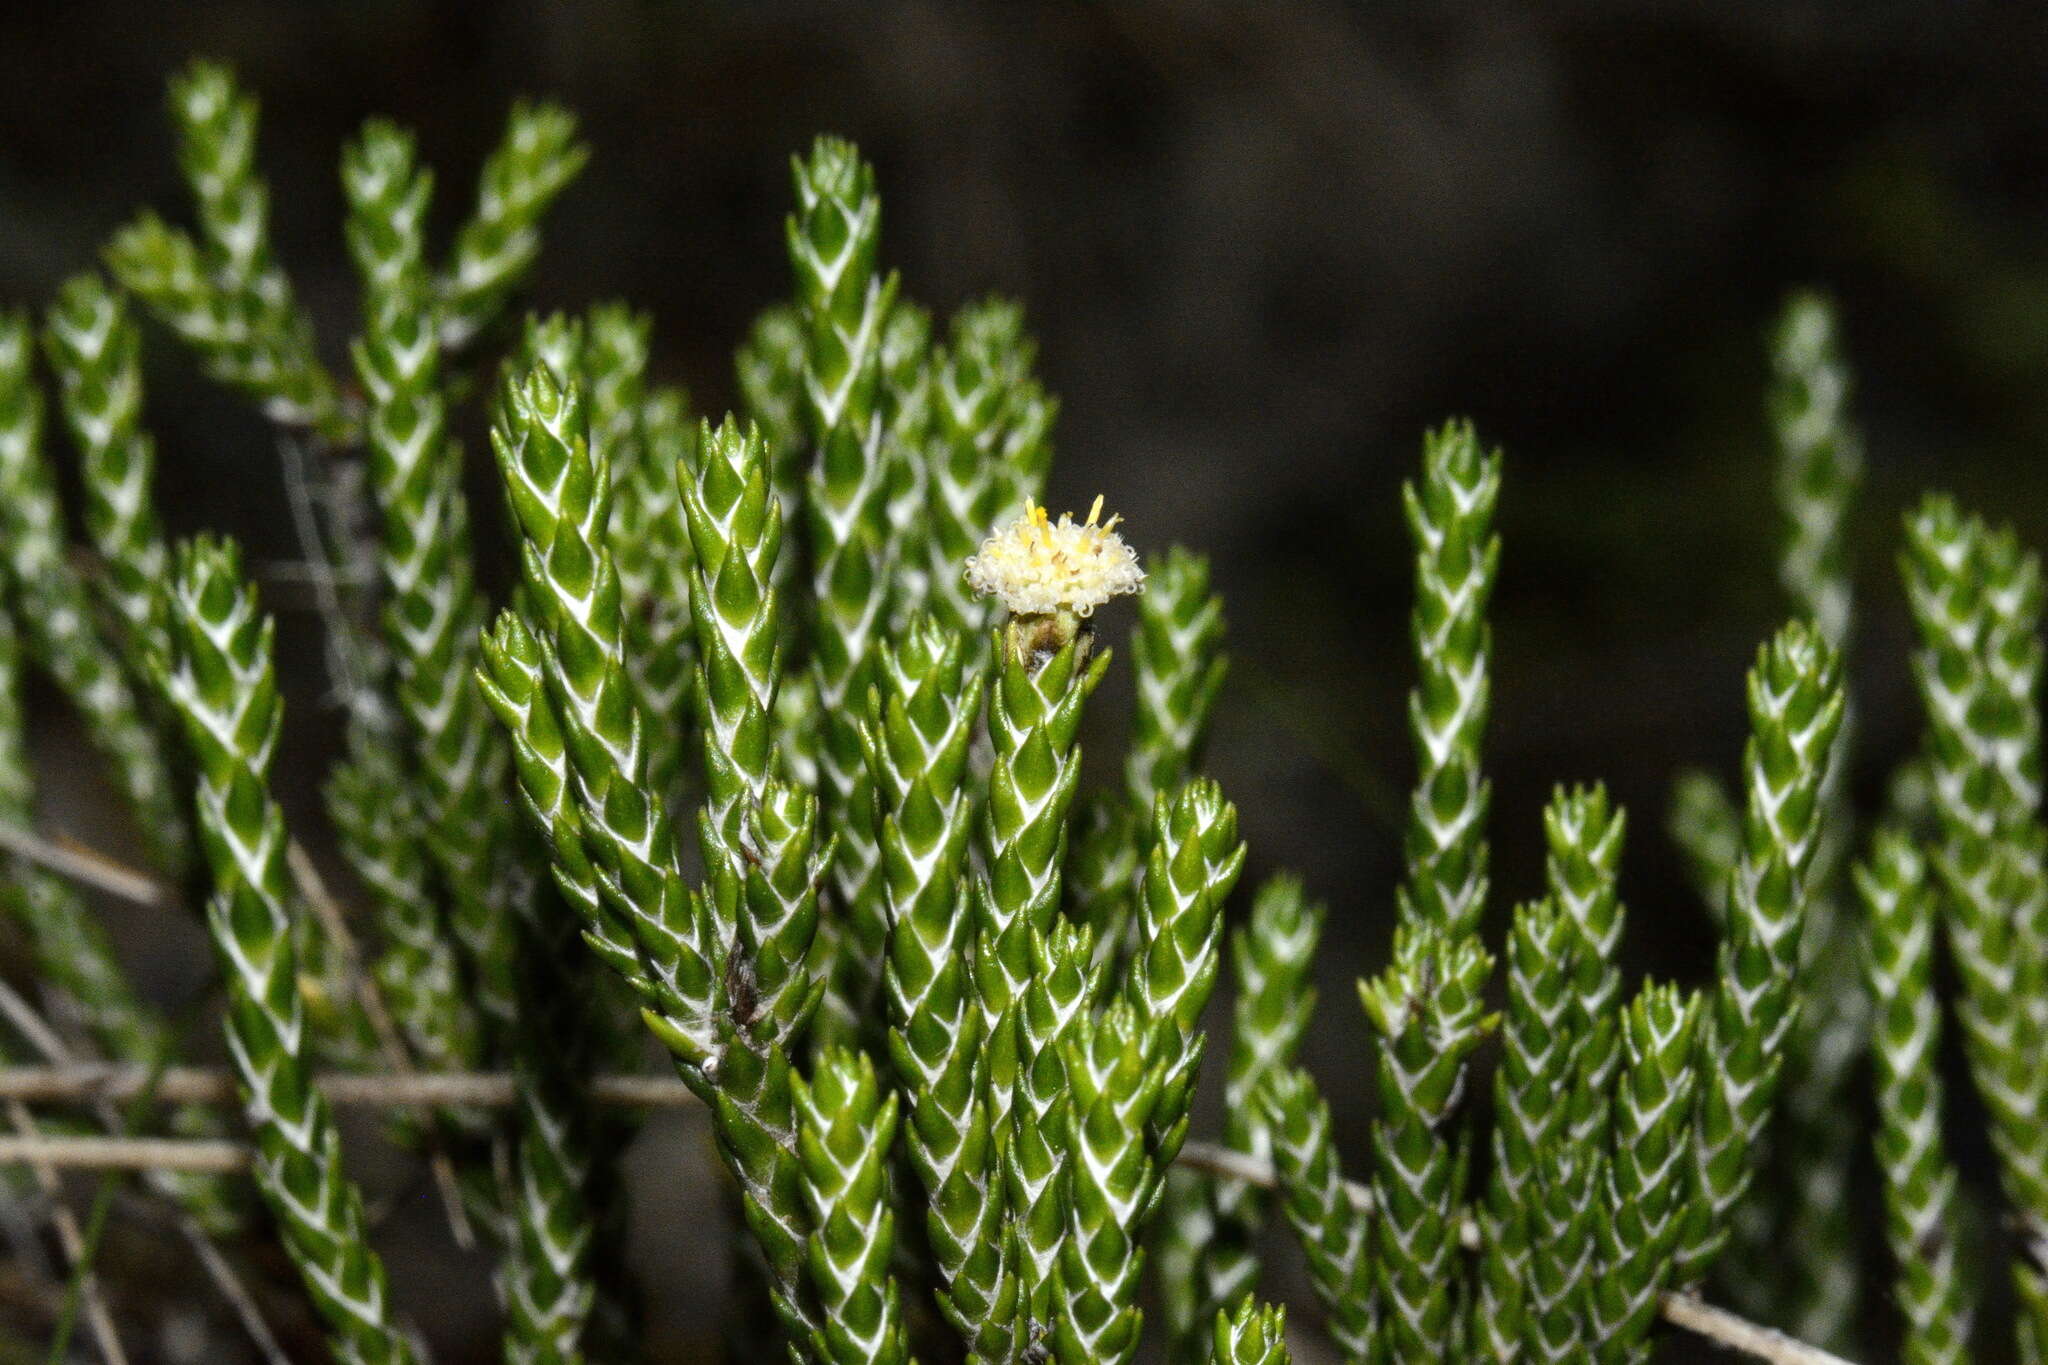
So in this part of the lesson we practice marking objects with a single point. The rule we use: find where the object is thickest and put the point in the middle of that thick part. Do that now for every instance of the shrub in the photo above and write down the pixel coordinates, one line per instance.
(772, 749)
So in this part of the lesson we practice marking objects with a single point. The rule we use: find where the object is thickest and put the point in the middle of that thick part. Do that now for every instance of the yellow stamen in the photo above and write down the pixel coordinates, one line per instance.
(1038, 566)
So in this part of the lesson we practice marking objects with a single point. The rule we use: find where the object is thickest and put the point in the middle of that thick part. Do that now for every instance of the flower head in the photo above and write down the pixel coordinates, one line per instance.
(1038, 566)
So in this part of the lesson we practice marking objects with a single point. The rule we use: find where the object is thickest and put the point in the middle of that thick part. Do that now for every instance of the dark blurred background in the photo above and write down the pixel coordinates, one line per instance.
(1263, 246)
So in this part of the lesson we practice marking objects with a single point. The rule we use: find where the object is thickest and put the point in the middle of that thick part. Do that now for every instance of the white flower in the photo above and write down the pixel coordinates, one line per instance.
(1039, 567)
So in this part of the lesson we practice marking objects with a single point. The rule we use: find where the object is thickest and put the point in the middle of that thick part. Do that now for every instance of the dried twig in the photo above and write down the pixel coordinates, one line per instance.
(229, 1285)
(71, 1240)
(1740, 1334)
(95, 1153)
(74, 861)
(204, 1085)
(344, 667)
(31, 1025)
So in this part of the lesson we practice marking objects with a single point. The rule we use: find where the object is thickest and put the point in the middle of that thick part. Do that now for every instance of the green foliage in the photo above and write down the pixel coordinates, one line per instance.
(1179, 665)
(941, 989)
(1584, 832)
(1820, 468)
(727, 981)
(650, 440)
(1820, 461)
(1427, 1010)
(989, 446)
(74, 956)
(1531, 1097)
(455, 765)
(846, 304)
(1799, 1198)
(1034, 715)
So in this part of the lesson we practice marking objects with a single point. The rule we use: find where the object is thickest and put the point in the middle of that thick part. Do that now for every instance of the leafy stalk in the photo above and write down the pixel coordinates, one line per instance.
(1450, 518)
(224, 294)
(1795, 709)
(496, 247)
(1919, 1179)
(1178, 664)
(579, 737)
(1334, 1227)
(93, 347)
(735, 526)
(1820, 466)
(1427, 1009)
(433, 613)
(1584, 832)
(1820, 462)
(1178, 668)
(847, 1124)
(1215, 1261)
(834, 237)
(921, 721)
(1976, 599)
(547, 1280)
(1114, 1085)
(1531, 1099)
(56, 612)
(1034, 716)
(1032, 1087)
(1648, 1175)
(1195, 862)
(221, 681)
(725, 970)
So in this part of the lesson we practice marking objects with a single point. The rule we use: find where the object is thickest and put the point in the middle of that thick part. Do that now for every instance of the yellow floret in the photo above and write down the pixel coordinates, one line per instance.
(1038, 566)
